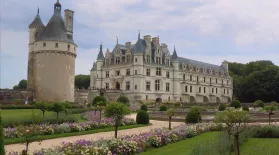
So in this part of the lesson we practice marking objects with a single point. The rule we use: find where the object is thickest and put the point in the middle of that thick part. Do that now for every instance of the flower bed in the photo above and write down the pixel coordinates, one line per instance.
(130, 144)
(50, 129)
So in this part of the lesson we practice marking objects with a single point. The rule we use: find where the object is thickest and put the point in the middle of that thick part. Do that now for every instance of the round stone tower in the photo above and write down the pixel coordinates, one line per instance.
(51, 73)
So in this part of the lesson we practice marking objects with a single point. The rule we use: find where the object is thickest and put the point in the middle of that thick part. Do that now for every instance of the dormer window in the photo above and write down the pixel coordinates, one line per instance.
(117, 60)
(158, 60)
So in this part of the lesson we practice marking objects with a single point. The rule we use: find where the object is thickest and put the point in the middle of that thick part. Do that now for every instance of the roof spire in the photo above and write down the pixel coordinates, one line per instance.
(174, 55)
(38, 10)
(139, 35)
(116, 40)
(101, 55)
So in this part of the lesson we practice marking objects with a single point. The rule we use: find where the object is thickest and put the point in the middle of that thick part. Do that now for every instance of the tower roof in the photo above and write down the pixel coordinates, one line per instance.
(37, 22)
(174, 55)
(55, 29)
(101, 55)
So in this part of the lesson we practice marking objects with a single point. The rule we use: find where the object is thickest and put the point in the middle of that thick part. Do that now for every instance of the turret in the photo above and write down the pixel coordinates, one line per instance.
(35, 28)
(100, 58)
(174, 60)
(225, 65)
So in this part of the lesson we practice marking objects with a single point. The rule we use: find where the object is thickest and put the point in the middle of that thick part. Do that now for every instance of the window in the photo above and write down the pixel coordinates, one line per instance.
(128, 59)
(127, 72)
(197, 78)
(157, 85)
(158, 71)
(147, 85)
(216, 81)
(227, 82)
(167, 62)
(107, 61)
(204, 89)
(107, 85)
(147, 72)
(224, 91)
(44, 44)
(107, 74)
(127, 85)
(136, 87)
(167, 86)
(136, 59)
(190, 89)
(56, 45)
(186, 88)
(210, 81)
(184, 77)
(136, 72)
(212, 90)
(168, 75)
(204, 79)
(117, 73)
(190, 77)
(216, 90)
(199, 89)
(222, 81)
(158, 60)
(148, 58)
(117, 60)
(146, 97)
(227, 91)
(69, 46)
(169, 98)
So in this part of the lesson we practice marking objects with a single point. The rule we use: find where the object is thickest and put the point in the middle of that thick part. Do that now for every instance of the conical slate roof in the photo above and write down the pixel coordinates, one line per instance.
(55, 29)
(37, 22)
(101, 55)
(174, 55)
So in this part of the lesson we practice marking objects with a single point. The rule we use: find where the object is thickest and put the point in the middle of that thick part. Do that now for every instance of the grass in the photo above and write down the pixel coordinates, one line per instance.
(19, 140)
(183, 147)
(260, 146)
(17, 116)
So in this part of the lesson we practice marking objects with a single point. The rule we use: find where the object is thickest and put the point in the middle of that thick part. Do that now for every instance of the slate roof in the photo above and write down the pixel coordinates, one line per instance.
(55, 29)
(101, 54)
(139, 47)
(94, 66)
(37, 22)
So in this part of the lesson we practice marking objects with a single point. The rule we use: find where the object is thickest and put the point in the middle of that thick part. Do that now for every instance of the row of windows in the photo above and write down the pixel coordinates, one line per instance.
(204, 79)
(57, 45)
(148, 72)
(204, 90)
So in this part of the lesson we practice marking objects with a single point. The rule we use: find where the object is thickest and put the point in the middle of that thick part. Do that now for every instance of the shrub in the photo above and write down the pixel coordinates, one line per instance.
(236, 104)
(142, 117)
(163, 108)
(267, 131)
(143, 107)
(245, 108)
(259, 103)
(98, 99)
(194, 115)
(222, 107)
(124, 100)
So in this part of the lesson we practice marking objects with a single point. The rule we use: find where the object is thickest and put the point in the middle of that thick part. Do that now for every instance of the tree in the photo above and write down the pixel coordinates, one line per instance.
(57, 107)
(236, 122)
(270, 110)
(95, 102)
(194, 115)
(236, 104)
(259, 103)
(170, 113)
(2, 149)
(82, 81)
(21, 85)
(124, 100)
(100, 107)
(42, 105)
(117, 111)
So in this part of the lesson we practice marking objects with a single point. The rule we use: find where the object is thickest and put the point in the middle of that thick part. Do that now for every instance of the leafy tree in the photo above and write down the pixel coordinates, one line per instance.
(170, 113)
(270, 110)
(21, 85)
(117, 111)
(235, 121)
(57, 107)
(245, 108)
(163, 108)
(222, 107)
(236, 104)
(42, 105)
(2, 148)
(259, 103)
(98, 99)
(15, 87)
(194, 115)
(82, 81)
(124, 100)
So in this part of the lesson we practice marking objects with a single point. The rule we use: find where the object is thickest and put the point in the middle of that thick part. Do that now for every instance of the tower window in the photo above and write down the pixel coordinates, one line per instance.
(56, 45)
(44, 44)
(204, 89)
(136, 87)
(204, 79)
(136, 59)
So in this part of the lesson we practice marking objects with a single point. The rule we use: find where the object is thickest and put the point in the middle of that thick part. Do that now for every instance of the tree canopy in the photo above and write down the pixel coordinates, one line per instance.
(21, 85)
(82, 81)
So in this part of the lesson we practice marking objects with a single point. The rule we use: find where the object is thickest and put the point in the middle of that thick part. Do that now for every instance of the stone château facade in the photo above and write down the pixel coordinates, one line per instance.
(147, 71)
(51, 57)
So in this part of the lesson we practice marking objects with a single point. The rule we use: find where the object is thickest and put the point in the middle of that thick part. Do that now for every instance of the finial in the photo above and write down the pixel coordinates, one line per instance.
(139, 35)
(174, 48)
(101, 47)
(38, 10)
(117, 40)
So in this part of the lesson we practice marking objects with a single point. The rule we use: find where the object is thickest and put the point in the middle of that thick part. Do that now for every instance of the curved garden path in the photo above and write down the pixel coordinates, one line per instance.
(54, 142)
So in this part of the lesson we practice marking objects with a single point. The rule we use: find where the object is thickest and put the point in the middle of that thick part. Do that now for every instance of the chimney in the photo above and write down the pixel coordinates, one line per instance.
(155, 41)
(147, 38)
(225, 65)
(163, 45)
(128, 44)
(69, 22)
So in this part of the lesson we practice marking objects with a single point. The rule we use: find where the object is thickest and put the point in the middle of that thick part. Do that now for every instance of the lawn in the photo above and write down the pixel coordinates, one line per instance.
(260, 146)
(16, 116)
(182, 148)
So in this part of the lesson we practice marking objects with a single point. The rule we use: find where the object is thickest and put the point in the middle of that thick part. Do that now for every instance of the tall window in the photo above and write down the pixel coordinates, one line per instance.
(224, 91)
(127, 58)
(117, 60)
(146, 97)
(212, 90)
(190, 89)
(128, 72)
(167, 86)
(117, 73)
(44, 44)
(216, 81)
(199, 89)
(56, 45)
(197, 78)
(107, 74)
(190, 77)
(227, 82)
(157, 85)
(204, 79)
(107, 62)
(210, 81)
(136, 72)
(203, 89)
(136, 59)
(147, 72)
(227, 91)
(186, 88)
(167, 62)
(107, 85)
(158, 60)
(148, 85)
(136, 87)
(158, 71)
(222, 81)
(216, 90)
(184, 77)
(168, 74)
(127, 85)
(148, 58)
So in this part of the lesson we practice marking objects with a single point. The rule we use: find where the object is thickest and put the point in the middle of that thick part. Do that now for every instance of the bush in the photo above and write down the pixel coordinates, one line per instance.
(258, 103)
(222, 107)
(143, 107)
(267, 131)
(124, 100)
(236, 104)
(163, 108)
(142, 117)
(194, 115)
(245, 108)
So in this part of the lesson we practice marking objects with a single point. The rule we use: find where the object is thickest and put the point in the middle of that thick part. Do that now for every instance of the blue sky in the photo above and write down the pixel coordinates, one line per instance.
(204, 30)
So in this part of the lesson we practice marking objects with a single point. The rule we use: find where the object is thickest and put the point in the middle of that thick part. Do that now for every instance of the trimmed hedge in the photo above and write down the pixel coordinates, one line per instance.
(142, 117)
(236, 104)
(193, 116)
(28, 106)
(124, 100)
(163, 108)
(222, 107)
(245, 108)
(144, 107)
(98, 99)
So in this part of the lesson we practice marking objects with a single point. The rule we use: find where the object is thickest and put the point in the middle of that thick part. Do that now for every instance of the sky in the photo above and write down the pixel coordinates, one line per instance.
(205, 30)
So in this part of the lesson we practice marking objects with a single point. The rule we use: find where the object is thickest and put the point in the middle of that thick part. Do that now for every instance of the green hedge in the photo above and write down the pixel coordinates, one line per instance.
(28, 106)
(142, 117)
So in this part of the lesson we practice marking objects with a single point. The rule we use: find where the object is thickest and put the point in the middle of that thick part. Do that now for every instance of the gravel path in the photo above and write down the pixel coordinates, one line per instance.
(55, 142)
